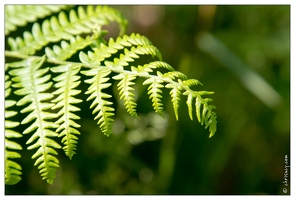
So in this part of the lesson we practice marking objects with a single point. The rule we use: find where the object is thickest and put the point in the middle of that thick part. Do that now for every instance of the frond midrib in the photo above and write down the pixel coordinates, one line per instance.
(87, 65)
(39, 120)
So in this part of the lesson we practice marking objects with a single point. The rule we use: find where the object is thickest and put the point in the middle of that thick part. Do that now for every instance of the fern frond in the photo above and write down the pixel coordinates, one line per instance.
(154, 91)
(66, 50)
(129, 55)
(175, 93)
(208, 116)
(140, 45)
(175, 74)
(124, 86)
(66, 83)
(159, 64)
(56, 29)
(189, 102)
(105, 51)
(51, 102)
(204, 111)
(102, 106)
(33, 84)
(21, 15)
(150, 67)
(137, 39)
(134, 46)
(192, 82)
(12, 169)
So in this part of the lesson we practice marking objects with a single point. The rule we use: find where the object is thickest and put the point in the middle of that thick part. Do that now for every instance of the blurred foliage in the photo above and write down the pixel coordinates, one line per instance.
(164, 156)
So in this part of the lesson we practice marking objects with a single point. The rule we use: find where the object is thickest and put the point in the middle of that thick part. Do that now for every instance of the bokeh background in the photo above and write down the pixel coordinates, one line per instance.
(242, 53)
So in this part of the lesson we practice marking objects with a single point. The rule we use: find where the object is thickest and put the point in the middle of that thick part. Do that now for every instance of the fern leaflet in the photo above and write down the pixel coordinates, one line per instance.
(98, 83)
(175, 93)
(55, 29)
(21, 15)
(126, 92)
(66, 50)
(32, 83)
(66, 83)
(154, 91)
(12, 169)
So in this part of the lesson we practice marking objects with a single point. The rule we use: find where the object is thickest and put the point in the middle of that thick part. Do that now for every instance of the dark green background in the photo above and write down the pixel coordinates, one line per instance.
(165, 156)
